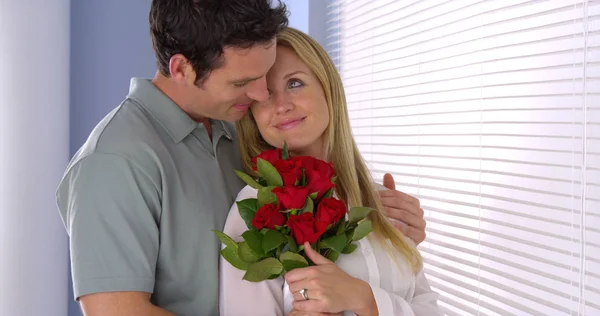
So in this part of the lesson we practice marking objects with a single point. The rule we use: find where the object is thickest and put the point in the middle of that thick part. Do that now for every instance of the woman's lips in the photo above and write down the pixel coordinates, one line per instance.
(290, 124)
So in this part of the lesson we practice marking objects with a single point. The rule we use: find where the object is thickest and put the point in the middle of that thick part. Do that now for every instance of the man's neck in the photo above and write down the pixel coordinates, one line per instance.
(208, 126)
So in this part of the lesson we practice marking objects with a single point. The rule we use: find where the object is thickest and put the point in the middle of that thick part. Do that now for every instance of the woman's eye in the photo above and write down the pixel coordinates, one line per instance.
(294, 84)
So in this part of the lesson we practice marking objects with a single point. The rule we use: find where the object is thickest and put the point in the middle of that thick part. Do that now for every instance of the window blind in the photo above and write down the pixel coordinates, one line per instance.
(489, 112)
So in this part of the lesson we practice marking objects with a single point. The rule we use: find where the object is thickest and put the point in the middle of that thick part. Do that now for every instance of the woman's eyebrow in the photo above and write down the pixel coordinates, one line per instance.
(293, 73)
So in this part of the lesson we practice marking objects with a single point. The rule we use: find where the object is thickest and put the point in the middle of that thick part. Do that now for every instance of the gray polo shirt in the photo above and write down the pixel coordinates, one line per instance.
(139, 200)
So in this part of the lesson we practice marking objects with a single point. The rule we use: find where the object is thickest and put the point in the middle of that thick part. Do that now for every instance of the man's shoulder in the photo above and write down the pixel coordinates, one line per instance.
(127, 131)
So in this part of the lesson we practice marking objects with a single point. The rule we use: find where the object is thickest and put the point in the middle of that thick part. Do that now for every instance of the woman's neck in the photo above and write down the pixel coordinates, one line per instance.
(318, 152)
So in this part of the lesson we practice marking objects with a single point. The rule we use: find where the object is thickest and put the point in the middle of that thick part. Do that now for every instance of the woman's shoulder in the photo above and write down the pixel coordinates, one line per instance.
(234, 224)
(246, 192)
(379, 187)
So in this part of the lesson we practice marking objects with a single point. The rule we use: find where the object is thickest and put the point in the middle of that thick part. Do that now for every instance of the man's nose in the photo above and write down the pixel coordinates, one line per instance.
(258, 90)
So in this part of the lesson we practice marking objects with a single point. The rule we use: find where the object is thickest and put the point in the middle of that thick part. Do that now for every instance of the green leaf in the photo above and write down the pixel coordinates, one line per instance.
(349, 248)
(334, 179)
(274, 276)
(333, 255)
(263, 270)
(292, 261)
(362, 230)
(248, 180)
(262, 182)
(226, 240)
(328, 194)
(247, 209)
(313, 195)
(267, 171)
(340, 227)
(246, 254)
(349, 233)
(308, 207)
(285, 154)
(303, 181)
(356, 214)
(292, 243)
(254, 240)
(272, 240)
(266, 196)
(231, 255)
(336, 243)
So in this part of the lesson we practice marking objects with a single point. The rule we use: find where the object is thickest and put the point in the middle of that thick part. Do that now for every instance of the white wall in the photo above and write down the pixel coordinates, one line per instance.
(34, 140)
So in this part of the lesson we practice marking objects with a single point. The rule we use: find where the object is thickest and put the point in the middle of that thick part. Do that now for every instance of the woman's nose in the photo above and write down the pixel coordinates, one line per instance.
(283, 103)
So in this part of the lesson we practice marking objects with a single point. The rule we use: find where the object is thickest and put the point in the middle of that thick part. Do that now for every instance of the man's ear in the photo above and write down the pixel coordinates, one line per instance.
(181, 69)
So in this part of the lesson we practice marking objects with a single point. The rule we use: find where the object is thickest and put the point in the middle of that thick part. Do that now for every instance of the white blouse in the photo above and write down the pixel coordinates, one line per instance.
(396, 289)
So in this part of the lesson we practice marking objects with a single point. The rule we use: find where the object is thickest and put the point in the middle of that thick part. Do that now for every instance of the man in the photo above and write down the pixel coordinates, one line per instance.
(141, 196)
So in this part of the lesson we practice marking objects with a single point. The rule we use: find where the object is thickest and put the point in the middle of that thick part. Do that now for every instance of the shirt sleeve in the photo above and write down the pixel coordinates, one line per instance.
(423, 303)
(110, 209)
(240, 297)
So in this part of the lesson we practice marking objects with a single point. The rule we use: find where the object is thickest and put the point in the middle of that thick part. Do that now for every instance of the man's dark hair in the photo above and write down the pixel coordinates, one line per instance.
(200, 29)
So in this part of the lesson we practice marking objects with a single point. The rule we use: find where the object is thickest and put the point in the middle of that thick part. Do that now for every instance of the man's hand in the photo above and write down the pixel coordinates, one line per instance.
(404, 210)
(120, 304)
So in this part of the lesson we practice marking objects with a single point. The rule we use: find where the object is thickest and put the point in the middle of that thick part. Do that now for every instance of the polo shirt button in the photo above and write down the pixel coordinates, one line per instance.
(368, 251)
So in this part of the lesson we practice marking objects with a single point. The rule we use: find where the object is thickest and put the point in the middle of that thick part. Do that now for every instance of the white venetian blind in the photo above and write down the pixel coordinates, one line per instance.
(489, 112)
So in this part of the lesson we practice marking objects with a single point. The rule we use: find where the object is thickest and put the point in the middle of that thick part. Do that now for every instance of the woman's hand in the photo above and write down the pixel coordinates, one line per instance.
(329, 289)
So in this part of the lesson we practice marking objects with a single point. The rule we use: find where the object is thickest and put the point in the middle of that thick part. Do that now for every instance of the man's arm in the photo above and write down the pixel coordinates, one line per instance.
(110, 208)
(120, 304)
(404, 210)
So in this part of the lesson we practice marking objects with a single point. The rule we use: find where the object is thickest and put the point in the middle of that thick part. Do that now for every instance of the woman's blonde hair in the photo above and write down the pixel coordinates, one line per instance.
(354, 184)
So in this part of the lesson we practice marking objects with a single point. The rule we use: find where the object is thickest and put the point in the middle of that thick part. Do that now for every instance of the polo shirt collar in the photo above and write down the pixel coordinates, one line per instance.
(168, 114)
(228, 129)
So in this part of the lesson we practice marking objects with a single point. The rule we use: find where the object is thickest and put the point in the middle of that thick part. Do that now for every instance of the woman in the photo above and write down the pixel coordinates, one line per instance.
(307, 109)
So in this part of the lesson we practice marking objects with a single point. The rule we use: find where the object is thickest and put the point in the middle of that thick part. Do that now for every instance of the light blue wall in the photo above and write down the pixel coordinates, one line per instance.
(110, 43)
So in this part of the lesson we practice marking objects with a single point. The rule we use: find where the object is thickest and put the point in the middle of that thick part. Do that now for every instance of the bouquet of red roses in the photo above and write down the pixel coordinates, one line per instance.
(295, 204)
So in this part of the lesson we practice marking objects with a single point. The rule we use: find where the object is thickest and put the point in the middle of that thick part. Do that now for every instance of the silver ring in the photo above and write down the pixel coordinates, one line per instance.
(304, 293)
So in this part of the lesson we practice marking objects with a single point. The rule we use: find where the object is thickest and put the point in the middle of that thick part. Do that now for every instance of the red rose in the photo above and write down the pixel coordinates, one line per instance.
(291, 197)
(318, 175)
(317, 182)
(311, 163)
(268, 216)
(305, 228)
(271, 156)
(330, 211)
(289, 170)
(324, 168)
(308, 162)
